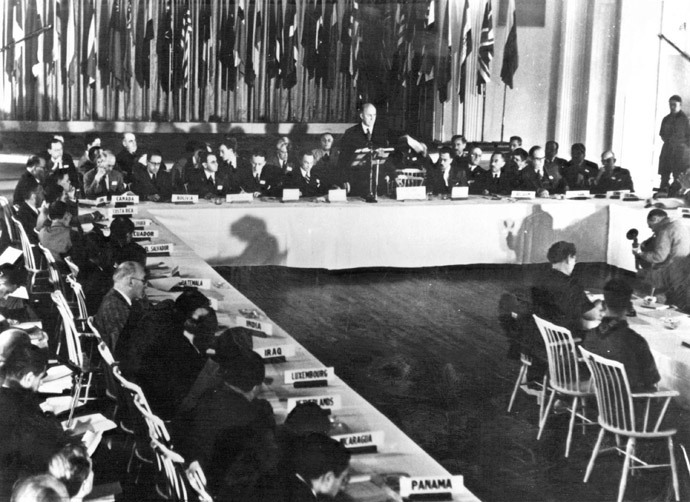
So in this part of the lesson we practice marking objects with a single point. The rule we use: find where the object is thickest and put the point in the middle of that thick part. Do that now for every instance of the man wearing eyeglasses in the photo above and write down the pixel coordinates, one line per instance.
(152, 182)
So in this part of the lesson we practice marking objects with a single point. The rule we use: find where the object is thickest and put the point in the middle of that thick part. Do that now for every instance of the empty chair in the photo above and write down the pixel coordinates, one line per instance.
(409, 177)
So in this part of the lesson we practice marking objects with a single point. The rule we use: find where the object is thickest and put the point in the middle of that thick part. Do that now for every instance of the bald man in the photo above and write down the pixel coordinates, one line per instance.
(365, 134)
(611, 177)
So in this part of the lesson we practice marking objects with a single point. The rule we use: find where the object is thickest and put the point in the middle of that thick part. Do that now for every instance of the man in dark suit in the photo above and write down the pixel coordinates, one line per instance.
(128, 156)
(229, 164)
(151, 182)
(283, 156)
(363, 135)
(579, 171)
(207, 182)
(532, 177)
(311, 181)
(262, 179)
(496, 180)
(552, 158)
(27, 214)
(34, 175)
(446, 174)
(610, 176)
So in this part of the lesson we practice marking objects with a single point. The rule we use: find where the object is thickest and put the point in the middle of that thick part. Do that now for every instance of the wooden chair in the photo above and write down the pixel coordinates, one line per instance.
(521, 383)
(408, 177)
(618, 408)
(79, 298)
(37, 276)
(564, 375)
(7, 217)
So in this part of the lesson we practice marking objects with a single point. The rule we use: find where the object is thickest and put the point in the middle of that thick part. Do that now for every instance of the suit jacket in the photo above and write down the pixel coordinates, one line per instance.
(26, 181)
(28, 217)
(485, 181)
(111, 318)
(619, 179)
(577, 177)
(354, 139)
(67, 163)
(436, 184)
(233, 174)
(94, 189)
(125, 162)
(529, 180)
(144, 186)
(270, 182)
(316, 185)
(200, 185)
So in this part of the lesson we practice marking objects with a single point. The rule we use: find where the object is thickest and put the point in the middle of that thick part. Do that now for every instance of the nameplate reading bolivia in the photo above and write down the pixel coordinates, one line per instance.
(196, 283)
(276, 351)
(410, 193)
(523, 194)
(239, 197)
(126, 199)
(427, 485)
(144, 222)
(255, 324)
(310, 377)
(158, 248)
(327, 402)
(145, 234)
(123, 211)
(361, 441)
(185, 198)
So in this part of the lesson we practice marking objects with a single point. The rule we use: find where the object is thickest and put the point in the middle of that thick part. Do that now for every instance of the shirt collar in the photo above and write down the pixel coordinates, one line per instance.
(124, 295)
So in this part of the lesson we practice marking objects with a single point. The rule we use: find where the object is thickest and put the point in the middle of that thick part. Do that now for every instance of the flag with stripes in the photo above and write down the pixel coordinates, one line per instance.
(486, 48)
(510, 52)
(184, 48)
(465, 51)
(70, 46)
(89, 51)
(355, 34)
(426, 68)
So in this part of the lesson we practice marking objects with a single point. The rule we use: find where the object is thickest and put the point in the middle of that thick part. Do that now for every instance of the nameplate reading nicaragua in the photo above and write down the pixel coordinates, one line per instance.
(370, 441)
(577, 194)
(290, 194)
(239, 197)
(410, 193)
(255, 324)
(185, 198)
(327, 402)
(145, 234)
(309, 375)
(523, 194)
(127, 199)
(158, 248)
(144, 222)
(423, 485)
(274, 351)
(196, 283)
(123, 211)
(460, 193)
(337, 195)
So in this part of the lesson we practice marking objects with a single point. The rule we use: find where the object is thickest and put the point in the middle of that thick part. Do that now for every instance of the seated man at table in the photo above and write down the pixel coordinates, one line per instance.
(121, 245)
(326, 159)
(104, 179)
(614, 339)
(34, 175)
(611, 177)
(532, 177)
(59, 236)
(474, 164)
(442, 177)
(27, 214)
(309, 180)
(496, 181)
(261, 179)
(150, 182)
(128, 156)
(207, 182)
(552, 158)
(578, 172)
(229, 164)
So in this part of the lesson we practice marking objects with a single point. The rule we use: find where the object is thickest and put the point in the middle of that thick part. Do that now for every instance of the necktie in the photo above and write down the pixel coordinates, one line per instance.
(257, 177)
(211, 180)
(306, 177)
(107, 183)
(326, 157)
(368, 131)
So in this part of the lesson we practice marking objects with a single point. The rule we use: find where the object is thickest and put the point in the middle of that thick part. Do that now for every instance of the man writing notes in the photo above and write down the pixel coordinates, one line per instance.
(366, 134)
(675, 132)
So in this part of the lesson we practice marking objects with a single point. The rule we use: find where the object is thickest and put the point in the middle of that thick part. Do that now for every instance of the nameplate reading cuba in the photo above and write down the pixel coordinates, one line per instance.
(158, 248)
(423, 485)
(123, 211)
(145, 234)
(275, 351)
(309, 375)
(371, 440)
(255, 324)
(196, 283)
(185, 198)
(327, 402)
(127, 199)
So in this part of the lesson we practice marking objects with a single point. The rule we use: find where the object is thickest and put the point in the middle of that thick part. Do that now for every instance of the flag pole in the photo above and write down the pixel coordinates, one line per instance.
(503, 115)
(483, 108)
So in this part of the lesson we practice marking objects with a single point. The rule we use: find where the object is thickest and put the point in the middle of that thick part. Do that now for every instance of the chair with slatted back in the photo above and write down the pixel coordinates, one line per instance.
(620, 414)
(8, 224)
(38, 278)
(564, 376)
(79, 297)
(408, 177)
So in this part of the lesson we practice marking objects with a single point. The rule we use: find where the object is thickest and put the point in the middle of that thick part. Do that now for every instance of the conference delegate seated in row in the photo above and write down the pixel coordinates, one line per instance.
(611, 177)
(446, 174)
(104, 179)
(150, 182)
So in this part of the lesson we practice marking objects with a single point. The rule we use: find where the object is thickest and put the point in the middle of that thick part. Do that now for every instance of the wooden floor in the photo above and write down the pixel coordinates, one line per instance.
(424, 346)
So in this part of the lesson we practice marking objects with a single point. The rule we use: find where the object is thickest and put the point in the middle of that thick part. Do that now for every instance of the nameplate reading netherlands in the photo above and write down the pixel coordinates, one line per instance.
(327, 402)
(428, 485)
(239, 197)
(123, 211)
(196, 283)
(276, 351)
(158, 248)
(523, 194)
(255, 324)
(361, 441)
(143, 222)
(410, 193)
(145, 234)
(185, 198)
(304, 377)
(126, 199)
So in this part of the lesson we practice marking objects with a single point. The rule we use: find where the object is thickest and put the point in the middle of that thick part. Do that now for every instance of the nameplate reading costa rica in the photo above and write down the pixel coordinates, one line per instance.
(123, 211)
(309, 375)
(158, 248)
(185, 198)
(255, 324)
(145, 234)
(196, 283)
(327, 402)
(275, 351)
(427, 485)
(128, 199)
(370, 440)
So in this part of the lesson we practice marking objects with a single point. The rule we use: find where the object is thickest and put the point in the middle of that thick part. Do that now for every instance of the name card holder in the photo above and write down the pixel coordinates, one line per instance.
(143, 222)
(185, 198)
(310, 377)
(578, 194)
(123, 211)
(430, 487)
(145, 234)
(410, 193)
(125, 199)
(616, 194)
(337, 195)
(275, 353)
(255, 324)
(361, 442)
(328, 402)
(159, 249)
(196, 283)
(684, 212)
(458, 193)
(239, 197)
(97, 202)
(290, 194)
(523, 194)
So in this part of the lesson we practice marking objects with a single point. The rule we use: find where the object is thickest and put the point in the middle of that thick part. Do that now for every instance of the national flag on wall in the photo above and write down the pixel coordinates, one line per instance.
(288, 58)
(444, 60)
(33, 24)
(70, 44)
(486, 48)
(355, 42)
(184, 47)
(164, 45)
(120, 44)
(426, 68)
(312, 16)
(240, 37)
(226, 47)
(331, 38)
(143, 37)
(104, 44)
(205, 45)
(254, 42)
(345, 41)
(88, 67)
(274, 19)
(14, 33)
(465, 51)
(510, 52)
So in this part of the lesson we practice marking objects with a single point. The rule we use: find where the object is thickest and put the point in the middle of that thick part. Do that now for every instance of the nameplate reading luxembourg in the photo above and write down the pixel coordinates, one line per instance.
(418, 487)
(410, 193)
(125, 199)
(239, 197)
(327, 402)
(185, 198)
(158, 248)
(578, 194)
(523, 194)
(361, 442)
(255, 324)
(460, 193)
(337, 195)
(145, 234)
(144, 222)
(310, 377)
(196, 283)
(123, 211)
(276, 351)
(290, 194)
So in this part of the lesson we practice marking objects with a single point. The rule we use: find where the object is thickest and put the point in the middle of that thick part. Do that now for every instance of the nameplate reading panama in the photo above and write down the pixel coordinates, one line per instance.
(185, 198)
(255, 324)
(127, 199)
(276, 351)
(327, 402)
(309, 375)
(196, 283)
(158, 248)
(145, 234)
(427, 485)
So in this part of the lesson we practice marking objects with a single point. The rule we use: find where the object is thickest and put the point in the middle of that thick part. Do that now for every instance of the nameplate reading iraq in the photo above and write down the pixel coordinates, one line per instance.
(327, 402)
(361, 442)
(255, 324)
(196, 283)
(153, 249)
(126, 199)
(420, 486)
(123, 211)
(185, 198)
(310, 377)
(277, 352)
(145, 234)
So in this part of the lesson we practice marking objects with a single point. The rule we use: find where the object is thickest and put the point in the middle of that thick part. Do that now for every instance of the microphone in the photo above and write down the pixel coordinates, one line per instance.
(631, 235)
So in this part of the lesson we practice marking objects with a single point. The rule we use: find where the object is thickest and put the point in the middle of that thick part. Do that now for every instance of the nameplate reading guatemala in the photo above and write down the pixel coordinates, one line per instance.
(196, 283)
(327, 402)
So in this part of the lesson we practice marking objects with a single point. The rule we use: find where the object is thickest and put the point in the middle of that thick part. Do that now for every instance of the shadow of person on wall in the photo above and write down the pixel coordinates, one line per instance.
(262, 247)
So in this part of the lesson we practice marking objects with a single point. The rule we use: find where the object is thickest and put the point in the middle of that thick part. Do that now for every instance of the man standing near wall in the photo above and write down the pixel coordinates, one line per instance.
(675, 133)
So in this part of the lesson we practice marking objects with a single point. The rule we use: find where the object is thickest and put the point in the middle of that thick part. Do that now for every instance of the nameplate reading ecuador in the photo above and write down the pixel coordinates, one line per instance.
(255, 324)
(145, 234)
(276, 351)
(196, 283)
(290, 194)
(418, 487)
(460, 193)
(185, 198)
(361, 442)
(144, 222)
(578, 194)
(126, 199)
(310, 377)
(239, 197)
(327, 402)
(338, 195)
(410, 193)
(523, 194)
(123, 211)
(158, 248)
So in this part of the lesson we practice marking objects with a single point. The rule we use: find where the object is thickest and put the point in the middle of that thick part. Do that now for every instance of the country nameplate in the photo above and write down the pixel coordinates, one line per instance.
(196, 283)
(310, 377)
(145, 234)
(255, 324)
(523, 194)
(410, 193)
(239, 197)
(459, 193)
(426, 487)
(185, 198)
(143, 222)
(123, 211)
(361, 442)
(684, 212)
(290, 194)
(327, 401)
(213, 303)
(125, 199)
(98, 201)
(158, 249)
(275, 353)
(578, 194)
(337, 195)
(616, 194)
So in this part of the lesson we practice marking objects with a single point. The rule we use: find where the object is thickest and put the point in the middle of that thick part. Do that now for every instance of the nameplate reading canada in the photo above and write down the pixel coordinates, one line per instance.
(361, 440)
(185, 198)
(276, 351)
(125, 199)
(255, 324)
(309, 375)
(123, 211)
(158, 248)
(196, 283)
(327, 402)
(145, 234)
(427, 485)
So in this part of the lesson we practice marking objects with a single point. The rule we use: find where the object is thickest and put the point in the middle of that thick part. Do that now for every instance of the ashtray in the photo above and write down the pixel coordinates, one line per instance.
(671, 322)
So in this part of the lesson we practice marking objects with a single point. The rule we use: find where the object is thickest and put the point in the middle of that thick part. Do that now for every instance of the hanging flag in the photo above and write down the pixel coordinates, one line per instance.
(240, 38)
(226, 48)
(331, 44)
(88, 65)
(143, 34)
(205, 43)
(164, 45)
(183, 48)
(346, 41)
(465, 51)
(445, 69)
(70, 45)
(288, 57)
(33, 24)
(119, 43)
(312, 16)
(274, 18)
(15, 32)
(254, 42)
(104, 44)
(486, 48)
(426, 68)
(355, 42)
(510, 52)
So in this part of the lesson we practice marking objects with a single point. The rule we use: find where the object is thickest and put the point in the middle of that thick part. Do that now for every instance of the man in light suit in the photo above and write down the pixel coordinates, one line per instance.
(104, 179)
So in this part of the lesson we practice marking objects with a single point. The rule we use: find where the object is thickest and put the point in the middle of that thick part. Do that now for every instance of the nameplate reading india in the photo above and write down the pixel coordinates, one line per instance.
(418, 486)
(239, 197)
(196, 283)
(276, 351)
(143, 222)
(125, 199)
(255, 324)
(145, 234)
(185, 198)
(158, 248)
(309, 377)
(361, 441)
(123, 211)
(327, 402)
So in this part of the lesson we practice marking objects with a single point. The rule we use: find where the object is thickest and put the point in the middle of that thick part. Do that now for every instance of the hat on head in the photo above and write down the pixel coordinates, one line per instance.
(245, 371)
(676, 97)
